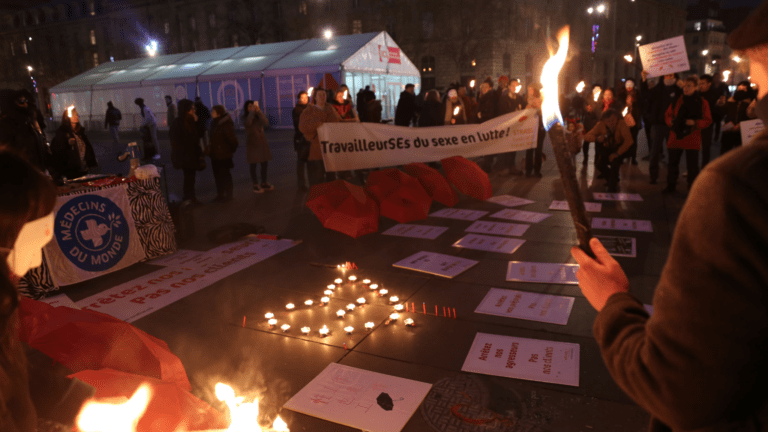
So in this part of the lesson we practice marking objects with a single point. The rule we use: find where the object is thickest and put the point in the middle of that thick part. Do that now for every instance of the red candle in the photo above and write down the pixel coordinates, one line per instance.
(454, 313)
(424, 305)
(444, 311)
(436, 311)
(243, 321)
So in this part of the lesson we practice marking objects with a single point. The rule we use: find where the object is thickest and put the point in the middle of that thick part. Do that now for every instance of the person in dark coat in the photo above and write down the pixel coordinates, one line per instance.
(454, 109)
(432, 112)
(615, 139)
(365, 100)
(256, 146)
(112, 122)
(300, 143)
(71, 150)
(203, 120)
(20, 131)
(658, 99)
(185, 147)
(698, 362)
(406, 107)
(533, 157)
(735, 113)
(708, 92)
(511, 101)
(222, 148)
(486, 110)
(630, 98)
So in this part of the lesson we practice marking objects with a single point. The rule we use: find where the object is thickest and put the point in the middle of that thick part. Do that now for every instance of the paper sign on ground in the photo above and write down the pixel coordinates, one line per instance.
(750, 129)
(60, 300)
(499, 228)
(461, 214)
(664, 57)
(622, 224)
(436, 264)
(542, 272)
(588, 206)
(527, 305)
(142, 296)
(489, 243)
(522, 358)
(619, 246)
(182, 258)
(416, 231)
(360, 399)
(509, 200)
(520, 215)
(604, 196)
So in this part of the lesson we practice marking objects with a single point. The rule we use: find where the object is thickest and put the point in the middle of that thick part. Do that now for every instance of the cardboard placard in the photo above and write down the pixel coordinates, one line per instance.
(436, 264)
(461, 214)
(498, 228)
(664, 57)
(621, 196)
(489, 243)
(520, 215)
(527, 306)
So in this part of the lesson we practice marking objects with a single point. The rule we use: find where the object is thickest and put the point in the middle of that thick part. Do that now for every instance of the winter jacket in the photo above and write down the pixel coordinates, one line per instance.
(171, 114)
(450, 107)
(147, 117)
(691, 141)
(658, 99)
(112, 117)
(406, 109)
(310, 120)
(486, 107)
(620, 139)
(256, 146)
(507, 103)
(21, 133)
(223, 140)
(66, 155)
(203, 118)
(185, 143)
(432, 114)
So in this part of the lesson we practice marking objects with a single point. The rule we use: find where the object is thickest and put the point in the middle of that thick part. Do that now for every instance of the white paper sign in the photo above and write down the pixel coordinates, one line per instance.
(619, 246)
(183, 258)
(542, 272)
(489, 243)
(527, 305)
(664, 57)
(60, 300)
(520, 215)
(499, 228)
(588, 206)
(416, 231)
(750, 129)
(622, 224)
(603, 196)
(461, 214)
(509, 200)
(522, 358)
(436, 264)
(360, 399)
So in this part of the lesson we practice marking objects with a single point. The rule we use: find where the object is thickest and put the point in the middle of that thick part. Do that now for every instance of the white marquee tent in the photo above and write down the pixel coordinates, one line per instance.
(271, 73)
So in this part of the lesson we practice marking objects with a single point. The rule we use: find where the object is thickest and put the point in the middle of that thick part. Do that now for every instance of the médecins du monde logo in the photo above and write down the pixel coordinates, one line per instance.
(92, 232)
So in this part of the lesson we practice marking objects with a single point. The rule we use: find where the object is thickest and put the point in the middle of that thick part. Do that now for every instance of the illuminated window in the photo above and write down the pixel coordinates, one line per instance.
(93, 37)
(357, 26)
(427, 64)
(697, 26)
(95, 59)
(92, 8)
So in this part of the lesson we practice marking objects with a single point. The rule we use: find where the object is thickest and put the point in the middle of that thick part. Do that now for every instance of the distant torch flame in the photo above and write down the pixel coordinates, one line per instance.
(456, 110)
(346, 93)
(69, 110)
(624, 113)
(244, 415)
(309, 91)
(114, 417)
(580, 87)
(628, 58)
(596, 93)
(549, 106)
(472, 84)
(517, 88)
(726, 74)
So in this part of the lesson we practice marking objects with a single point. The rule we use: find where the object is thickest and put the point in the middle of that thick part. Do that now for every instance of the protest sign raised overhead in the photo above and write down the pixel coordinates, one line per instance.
(664, 57)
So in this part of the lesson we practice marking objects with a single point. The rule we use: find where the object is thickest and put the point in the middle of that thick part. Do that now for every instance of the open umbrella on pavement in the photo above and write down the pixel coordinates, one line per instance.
(468, 177)
(400, 196)
(344, 207)
(434, 183)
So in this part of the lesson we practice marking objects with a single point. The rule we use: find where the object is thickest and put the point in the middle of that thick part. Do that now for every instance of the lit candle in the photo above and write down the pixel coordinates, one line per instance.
(269, 315)
(328, 292)
(305, 330)
(366, 281)
(349, 329)
(351, 307)
(394, 299)
(394, 316)
(399, 307)
(338, 281)
(285, 327)
(361, 300)
(331, 287)
(325, 300)
(374, 286)
(309, 302)
(340, 313)
(352, 278)
(369, 325)
(290, 306)
(408, 322)
(383, 292)
(324, 331)
(272, 322)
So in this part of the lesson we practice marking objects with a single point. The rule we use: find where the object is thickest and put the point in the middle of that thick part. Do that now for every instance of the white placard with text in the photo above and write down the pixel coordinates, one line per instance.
(509, 200)
(416, 231)
(527, 306)
(498, 228)
(461, 214)
(542, 272)
(622, 224)
(588, 206)
(750, 129)
(520, 215)
(436, 264)
(489, 243)
(621, 196)
(664, 57)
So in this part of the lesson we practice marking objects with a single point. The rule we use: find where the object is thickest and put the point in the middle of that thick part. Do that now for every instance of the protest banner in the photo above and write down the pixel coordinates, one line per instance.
(352, 146)
(664, 57)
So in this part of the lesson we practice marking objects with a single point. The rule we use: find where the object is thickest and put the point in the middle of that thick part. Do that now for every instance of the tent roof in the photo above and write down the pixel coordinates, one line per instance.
(358, 52)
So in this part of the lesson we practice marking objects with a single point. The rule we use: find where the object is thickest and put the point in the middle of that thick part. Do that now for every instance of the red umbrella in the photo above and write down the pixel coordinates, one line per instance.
(84, 339)
(344, 207)
(400, 196)
(468, 177)
(434, 183)
(170, 407)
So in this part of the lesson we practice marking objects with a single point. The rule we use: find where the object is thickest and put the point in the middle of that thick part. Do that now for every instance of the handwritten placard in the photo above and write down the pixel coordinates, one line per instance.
(542, 272)
(489, 243)
(520, 215)
(527, 306)
(750, 129)
(509, 200)
(664, 57)
(416, 231)
(360, 399)
(619, 246)
(622, 224)
(498, 228)
(588, 206)
(522, 358)
(461, 214)
(436, 264)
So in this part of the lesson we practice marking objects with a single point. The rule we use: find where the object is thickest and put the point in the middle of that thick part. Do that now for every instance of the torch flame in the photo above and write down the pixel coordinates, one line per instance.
(279, 425)
(580, 87)
(726, 75)
(456, 110)
(309, 91)
(517, 88)
(596, 93)
(244, 414)
(69, 110)
(114, 417)
(346, 93)
(624, 113)
(549, 107)
(472, 84)
(628, 58)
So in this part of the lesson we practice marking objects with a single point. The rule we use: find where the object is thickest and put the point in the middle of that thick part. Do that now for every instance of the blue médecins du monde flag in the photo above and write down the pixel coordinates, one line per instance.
(94, 234)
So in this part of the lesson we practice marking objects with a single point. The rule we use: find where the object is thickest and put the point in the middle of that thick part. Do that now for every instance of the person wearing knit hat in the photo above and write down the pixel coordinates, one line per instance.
(698, 362)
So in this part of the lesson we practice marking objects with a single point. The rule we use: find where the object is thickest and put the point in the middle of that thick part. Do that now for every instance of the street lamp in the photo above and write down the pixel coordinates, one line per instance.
(590, 10)
(328, 33)
(29, 68)
(639, 38)
(600, 8)
(705, 52)
(151, 48)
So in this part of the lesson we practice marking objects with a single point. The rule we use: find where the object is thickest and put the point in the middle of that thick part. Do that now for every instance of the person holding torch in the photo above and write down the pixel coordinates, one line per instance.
(698, 363)
(454, 109)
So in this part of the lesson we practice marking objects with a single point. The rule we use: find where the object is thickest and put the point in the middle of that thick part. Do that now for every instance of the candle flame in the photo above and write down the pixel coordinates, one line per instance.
(628, 58)
(626, 110)
(549, 107)
(726, 75)
(456, 110)
(244, 414)
(69, 110)
(580, 87)
(114, 417)
(596, 93)
(309, 91)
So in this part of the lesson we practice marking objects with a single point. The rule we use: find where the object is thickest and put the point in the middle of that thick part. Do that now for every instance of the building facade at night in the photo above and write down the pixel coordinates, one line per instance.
(448, 40)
